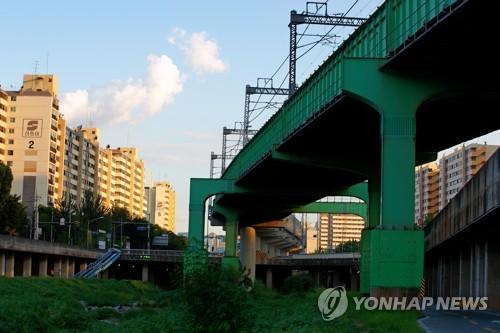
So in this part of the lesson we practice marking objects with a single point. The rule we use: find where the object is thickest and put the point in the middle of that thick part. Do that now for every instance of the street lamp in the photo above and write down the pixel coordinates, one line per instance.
(88, 227)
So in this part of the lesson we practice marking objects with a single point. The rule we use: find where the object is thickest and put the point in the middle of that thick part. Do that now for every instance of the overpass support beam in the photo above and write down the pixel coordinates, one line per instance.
(248, 250)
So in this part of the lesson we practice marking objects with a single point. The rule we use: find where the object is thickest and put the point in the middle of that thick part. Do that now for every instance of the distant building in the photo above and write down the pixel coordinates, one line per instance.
(436, 185)
(127, 180)
(312, 244)
(80, 163)
(335, 229)
(458, 167)
(161, 207)
(426, 191)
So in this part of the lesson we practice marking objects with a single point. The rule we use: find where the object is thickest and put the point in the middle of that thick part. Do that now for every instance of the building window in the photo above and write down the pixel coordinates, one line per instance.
(9, 163)
(13, 98)
(12, 109)
(11, 142)
(12, 120)
(10, 152)
(11, 130)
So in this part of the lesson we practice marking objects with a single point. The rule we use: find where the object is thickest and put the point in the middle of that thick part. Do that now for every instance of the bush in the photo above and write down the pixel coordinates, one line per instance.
(298, 284)
(216, 300)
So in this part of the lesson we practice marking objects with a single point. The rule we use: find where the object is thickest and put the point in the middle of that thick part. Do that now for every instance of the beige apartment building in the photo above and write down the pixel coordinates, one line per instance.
(426, 191)
(32, 140)
(335, 229)
(126, 181)
(161, 205)
(81, 159)
(436, 185)
(51, 161)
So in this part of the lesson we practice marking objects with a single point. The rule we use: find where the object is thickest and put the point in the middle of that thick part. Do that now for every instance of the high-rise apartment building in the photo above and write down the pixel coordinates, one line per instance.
(126, 183)
(32, 144)
(458, 167)
(426, 191)
(161, 205)
(435, 185)
(51, 161)
(81, 160)
(335, 229)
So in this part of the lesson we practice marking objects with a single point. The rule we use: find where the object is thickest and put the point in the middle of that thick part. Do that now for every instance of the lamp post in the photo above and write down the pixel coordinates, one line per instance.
(88, 227)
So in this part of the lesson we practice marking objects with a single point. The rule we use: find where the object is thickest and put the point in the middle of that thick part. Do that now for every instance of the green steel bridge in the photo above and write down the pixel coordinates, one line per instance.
(417, 77)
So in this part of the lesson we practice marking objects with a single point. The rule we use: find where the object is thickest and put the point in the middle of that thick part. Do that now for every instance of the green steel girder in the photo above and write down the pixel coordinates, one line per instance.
(355, 208)
(246, 202)
(355, 164)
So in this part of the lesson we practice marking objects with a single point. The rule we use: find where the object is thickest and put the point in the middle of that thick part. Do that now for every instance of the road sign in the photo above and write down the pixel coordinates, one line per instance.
(141, 228)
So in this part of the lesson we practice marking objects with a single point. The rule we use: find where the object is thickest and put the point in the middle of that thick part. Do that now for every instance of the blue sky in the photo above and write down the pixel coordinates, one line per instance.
(163, 76)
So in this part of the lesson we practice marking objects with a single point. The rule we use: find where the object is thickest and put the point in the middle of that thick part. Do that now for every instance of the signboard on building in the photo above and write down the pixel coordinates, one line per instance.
(32, 128)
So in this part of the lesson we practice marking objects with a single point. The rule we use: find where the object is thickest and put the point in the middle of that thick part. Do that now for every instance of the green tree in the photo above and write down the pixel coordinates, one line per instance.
(12, 212)
(65, 208)
(90, 215)
(349, 246)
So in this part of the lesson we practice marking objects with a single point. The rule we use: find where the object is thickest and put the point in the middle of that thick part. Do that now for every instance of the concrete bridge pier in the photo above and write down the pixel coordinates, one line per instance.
(2, 263)
(43, 266)
(71, 267)
(9, 264)
(248, 250)
(27, 259)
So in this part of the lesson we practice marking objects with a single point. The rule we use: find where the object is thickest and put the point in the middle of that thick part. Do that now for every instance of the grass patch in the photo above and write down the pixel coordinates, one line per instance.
(33, 304)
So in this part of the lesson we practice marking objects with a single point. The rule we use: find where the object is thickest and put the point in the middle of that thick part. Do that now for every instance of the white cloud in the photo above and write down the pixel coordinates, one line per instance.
(201, 52)
(127, 101)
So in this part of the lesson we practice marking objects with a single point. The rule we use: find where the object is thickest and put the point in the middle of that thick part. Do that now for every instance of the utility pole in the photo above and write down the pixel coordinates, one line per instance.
(36, 217)
(149, 231)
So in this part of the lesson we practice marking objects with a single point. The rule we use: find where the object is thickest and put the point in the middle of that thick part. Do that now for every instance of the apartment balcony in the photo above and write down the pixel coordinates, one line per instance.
(433, 187)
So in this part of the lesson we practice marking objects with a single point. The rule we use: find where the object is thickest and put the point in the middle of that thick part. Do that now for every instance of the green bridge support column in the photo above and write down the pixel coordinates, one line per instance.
(230, 257)
(394, 249)
(397, 258)
(372, 222)
(201, 189)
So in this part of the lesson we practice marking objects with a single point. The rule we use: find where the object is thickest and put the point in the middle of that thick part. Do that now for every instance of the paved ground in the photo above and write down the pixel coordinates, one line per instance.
(461, 321)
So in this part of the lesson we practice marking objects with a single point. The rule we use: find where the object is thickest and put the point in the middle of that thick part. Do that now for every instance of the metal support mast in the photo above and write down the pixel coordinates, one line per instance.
(307, 18)
(262, 91)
